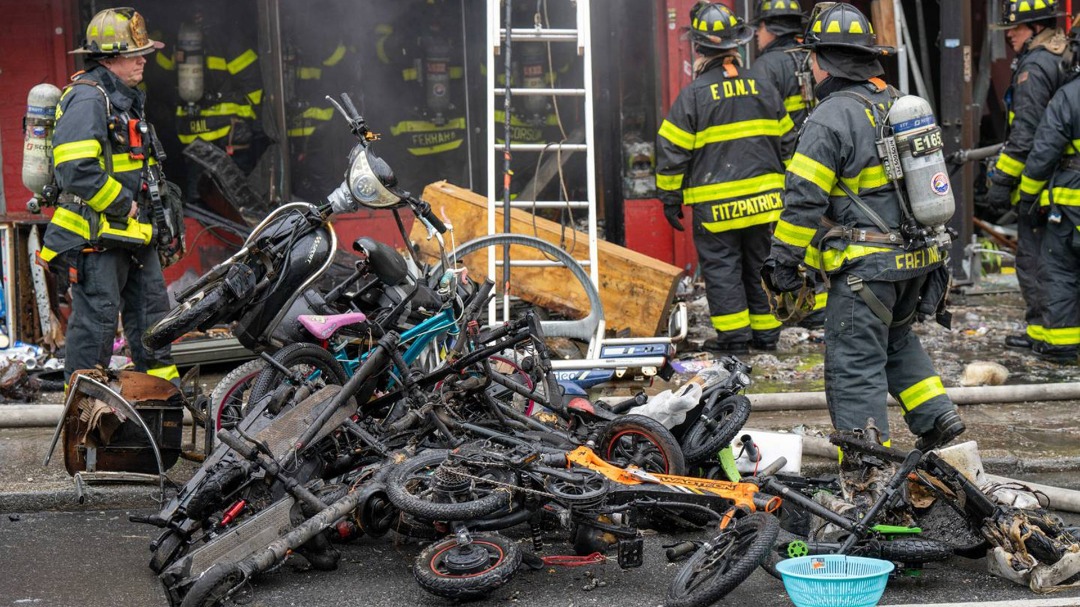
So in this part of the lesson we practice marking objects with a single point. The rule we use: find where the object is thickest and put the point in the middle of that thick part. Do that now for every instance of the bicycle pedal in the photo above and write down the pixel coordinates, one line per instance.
(631, 553)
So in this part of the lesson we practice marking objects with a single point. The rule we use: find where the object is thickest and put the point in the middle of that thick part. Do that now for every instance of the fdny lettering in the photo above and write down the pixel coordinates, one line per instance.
(918, 259)
(747, 206)
(437, 138)
(734, 88)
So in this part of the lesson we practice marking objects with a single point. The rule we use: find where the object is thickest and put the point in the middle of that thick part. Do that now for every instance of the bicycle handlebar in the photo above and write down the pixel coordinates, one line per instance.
(773, 468)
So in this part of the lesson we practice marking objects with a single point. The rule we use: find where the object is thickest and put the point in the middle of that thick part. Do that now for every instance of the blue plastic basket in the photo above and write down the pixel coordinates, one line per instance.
(834, 580)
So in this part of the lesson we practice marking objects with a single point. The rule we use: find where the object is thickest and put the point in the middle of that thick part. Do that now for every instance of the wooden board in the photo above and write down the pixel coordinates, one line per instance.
(636, 290)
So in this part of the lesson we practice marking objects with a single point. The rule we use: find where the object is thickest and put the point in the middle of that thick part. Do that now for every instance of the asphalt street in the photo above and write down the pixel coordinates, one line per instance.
(99, 559)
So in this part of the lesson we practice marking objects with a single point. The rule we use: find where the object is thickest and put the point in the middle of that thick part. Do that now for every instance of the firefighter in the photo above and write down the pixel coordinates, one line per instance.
(780, 24)
(107, 168)
(836, 182)
(1051, 180)
(720, 151)
(1031, 29)
(227, 113)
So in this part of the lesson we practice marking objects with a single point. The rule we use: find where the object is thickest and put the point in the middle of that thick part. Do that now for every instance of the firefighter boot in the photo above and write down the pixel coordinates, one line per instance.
(724, 346)
(947, 426)
(1019, 342)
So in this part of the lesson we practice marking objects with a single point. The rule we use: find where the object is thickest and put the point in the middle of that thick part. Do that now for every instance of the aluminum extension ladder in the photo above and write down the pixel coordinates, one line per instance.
(594, 325)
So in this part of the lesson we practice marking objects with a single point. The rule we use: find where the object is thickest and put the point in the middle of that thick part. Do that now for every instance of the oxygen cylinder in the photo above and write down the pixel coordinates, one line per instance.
(37, 142)
(189, 62)
(919, 144)
(533, 68)
(437, 77)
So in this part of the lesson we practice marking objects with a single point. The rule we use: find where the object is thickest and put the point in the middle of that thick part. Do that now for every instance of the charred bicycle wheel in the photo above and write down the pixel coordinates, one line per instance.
(724, 562)
(188, 315)
(431, 488)
(643, 442)
(716, 427)
(470, 571)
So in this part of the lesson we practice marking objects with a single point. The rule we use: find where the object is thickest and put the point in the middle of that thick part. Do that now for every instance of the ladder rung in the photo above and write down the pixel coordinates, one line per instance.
(546, 35)
(543, 92)
(542, 147)
(548, 204)
(540, 263)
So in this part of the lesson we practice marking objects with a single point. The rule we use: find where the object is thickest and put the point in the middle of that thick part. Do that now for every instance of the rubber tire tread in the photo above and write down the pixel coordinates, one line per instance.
(170, 547)
(471, 587)
(767, 526)
(298, 354)
(211, 491)
(657, 433)
(181, 320)
(203, 592)
(245, 372)
(913, 550)
(732, 424)
(433, 511)
(783, 537)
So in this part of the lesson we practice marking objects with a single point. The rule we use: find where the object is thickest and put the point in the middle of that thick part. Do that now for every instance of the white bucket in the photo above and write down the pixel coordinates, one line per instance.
(772, 446)
(965, 458)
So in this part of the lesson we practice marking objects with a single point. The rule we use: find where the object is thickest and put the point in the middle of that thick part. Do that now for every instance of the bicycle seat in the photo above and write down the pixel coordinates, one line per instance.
(323, 327)
(385, 262)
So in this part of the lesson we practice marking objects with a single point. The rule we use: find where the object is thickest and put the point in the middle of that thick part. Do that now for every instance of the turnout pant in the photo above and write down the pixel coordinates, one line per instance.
(1061, 288)
(1029, 274)
(107, 284)
(731, 265)
(865, 360)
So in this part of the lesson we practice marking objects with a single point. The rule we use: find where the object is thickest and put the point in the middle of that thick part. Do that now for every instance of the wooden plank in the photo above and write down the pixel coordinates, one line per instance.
(636, 290)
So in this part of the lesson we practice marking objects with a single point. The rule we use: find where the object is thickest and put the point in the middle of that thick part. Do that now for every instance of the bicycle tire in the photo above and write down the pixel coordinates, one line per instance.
(779, 552)
(710, 574)
(229, 399)
(909, 550)
(214, 585)
(620, 444)
(431, 573)
(699, 443)
(169, 547)
(188, 315)
(212, 490)
(295, 355)
(402, 497)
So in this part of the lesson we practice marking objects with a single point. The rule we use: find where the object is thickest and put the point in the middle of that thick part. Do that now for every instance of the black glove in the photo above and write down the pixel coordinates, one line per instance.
(781, 278)
(999, 197)
(673, 214)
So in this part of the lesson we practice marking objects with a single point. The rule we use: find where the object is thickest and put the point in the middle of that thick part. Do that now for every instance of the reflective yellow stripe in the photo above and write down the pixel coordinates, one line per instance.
(208, 136)
(134, 232)
(309, 73)
(255, 97)
(436, 149)
(921, 392)
(676, 135)
(786, 124)
(813, 171)
(1066, 336)
(457, 73)
(734, 189)
(217, 63)
(794, 103)
(1074, 148)
(1031, 186)
(731, 322)
(47, 254)
(106, 195)
(831, 259)
(339, 54)
(500, 118)
(423, 126)
(1009, 165)
(867, 179)
(76, 150)
(123, 163)
(243, 61)
(821, 300)
(167, 373)
(741, 222)
(221, 109)
(409, 74)
(796, 236)
(318, 113)
(737, 130)
(164, 61)
(301, 131)
(72, 222)
(1036, 332)
(669, 182)
(1068, 197)
(763, 322)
